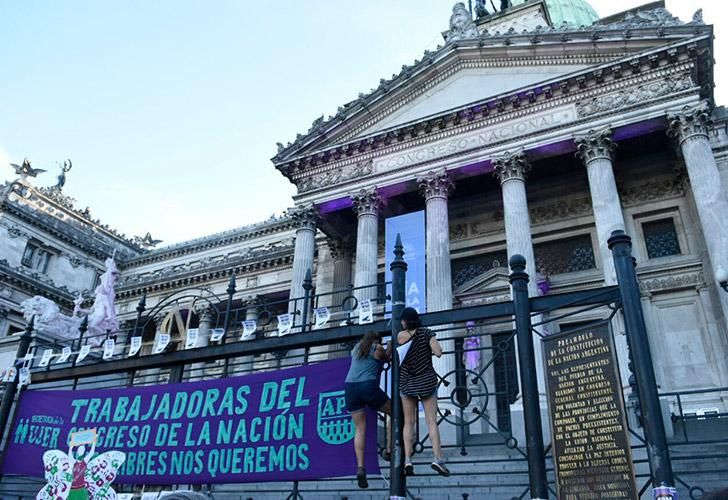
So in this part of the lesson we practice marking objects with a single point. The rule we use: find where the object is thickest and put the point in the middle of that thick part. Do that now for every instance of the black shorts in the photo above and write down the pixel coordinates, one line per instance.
(361, 394)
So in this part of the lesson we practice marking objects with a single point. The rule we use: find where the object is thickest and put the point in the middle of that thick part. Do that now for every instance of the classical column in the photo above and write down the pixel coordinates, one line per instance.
(435, 187)
(596, 151)
(303, 252)
(511, 170)
(245, 365)
(197, 372)
(340, 251)
(690, 127)
(366, 206)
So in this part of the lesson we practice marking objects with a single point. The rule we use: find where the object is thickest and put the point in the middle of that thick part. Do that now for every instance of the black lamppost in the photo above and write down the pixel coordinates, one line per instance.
(721, 276)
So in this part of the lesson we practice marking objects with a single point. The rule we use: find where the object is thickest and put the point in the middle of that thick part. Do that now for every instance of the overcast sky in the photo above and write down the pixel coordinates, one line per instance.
(170, 109)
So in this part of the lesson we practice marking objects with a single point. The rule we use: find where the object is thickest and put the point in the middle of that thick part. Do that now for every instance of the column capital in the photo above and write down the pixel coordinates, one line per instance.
(366, 201)
(435, 184)
(511, 166)
(595, 145)
(339, 248)
(252, 301)
(690, 122)
(305, 216)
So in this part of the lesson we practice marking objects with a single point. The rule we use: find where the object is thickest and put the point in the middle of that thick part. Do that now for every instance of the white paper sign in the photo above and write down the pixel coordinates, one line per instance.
(162, 343)
(85, 349)
(134, 346)
(47, 355)
(366, 314)
(249, 328)
(28, 360)
(65, 354)
(216, 334)
(108, 349)
(403, 350)
(24, 378)
(285, 323)
(321, 317)
(9, 374)
(192, 335)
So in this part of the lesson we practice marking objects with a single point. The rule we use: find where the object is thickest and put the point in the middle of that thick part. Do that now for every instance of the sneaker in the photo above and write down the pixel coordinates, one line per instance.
(361, 478)
(409, 469)
(440, 467)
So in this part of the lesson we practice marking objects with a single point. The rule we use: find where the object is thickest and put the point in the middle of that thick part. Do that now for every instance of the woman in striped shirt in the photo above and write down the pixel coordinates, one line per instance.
(418, 381)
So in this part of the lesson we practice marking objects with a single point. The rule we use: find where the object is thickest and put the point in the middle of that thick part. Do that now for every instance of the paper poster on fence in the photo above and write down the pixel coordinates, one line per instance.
(46, 358)
(366, 314)
(216, 334)
(192, 336)
(281, 425)
(134, 345)
(285, 323)
(65, 354)
(85, 350)
(321, 317)
(9, 374)
(162, 343)
(109, 349)
(249, 328)
(24, 378)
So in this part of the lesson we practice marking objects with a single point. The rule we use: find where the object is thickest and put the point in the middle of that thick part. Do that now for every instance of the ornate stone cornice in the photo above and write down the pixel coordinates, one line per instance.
(435, 184)
(366, 202)
(337, 176)
(691, 122)
(338, 248)
(305, 217)
(642, 93)
(595, 145)
(511, 166)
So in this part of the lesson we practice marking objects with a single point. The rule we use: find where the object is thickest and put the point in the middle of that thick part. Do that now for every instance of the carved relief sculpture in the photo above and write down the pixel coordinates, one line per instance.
(461, 24)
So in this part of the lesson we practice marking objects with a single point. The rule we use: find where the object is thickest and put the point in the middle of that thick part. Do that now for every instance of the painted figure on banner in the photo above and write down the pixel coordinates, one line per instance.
(80, 474)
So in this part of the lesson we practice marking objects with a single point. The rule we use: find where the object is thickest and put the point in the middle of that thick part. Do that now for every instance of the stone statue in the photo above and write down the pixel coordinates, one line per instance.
(62, 177)
(101, 315)
(25, 170)
(480, 8)
(461, 24)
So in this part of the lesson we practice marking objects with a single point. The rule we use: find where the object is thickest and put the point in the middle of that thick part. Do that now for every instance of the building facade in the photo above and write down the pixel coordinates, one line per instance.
(529, 131)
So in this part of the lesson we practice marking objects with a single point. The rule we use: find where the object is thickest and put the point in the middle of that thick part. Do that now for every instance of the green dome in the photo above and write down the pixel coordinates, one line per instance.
(574, 12)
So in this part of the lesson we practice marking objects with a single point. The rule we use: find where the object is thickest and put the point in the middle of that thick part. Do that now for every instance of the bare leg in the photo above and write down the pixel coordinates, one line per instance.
(387, 410)
(409, 408)
(430, 404)
(360, 427)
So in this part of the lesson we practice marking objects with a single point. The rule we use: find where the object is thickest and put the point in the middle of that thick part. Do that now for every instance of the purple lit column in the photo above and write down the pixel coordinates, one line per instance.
(595, 150)
(366, 206)
(690, 127)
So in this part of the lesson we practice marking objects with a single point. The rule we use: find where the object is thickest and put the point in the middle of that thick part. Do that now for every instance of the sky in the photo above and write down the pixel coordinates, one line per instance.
(170, 109)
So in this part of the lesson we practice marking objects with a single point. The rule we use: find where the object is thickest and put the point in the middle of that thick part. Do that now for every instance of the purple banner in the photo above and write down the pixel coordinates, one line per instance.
(275, 426)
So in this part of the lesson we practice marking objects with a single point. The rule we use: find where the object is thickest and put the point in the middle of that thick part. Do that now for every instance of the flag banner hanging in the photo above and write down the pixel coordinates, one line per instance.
(134, 346)
(249, 328)
(46, 358)
(108, 349)
(366, 314)
(411, 228)
(162, 343)
(285, 323)
(65, 354)
(192, 335)
(322, 316)
(216, 334)
(282, 425)
(85, 349)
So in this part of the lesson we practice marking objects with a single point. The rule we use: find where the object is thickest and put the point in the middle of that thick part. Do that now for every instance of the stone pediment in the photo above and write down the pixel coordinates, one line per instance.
(491, 286)
(468, 71)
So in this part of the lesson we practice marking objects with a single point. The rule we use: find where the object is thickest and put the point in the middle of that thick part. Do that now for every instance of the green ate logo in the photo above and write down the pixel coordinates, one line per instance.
(334, 423)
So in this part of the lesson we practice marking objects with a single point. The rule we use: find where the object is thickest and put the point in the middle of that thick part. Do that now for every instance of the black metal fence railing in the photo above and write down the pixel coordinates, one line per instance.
(482, 396)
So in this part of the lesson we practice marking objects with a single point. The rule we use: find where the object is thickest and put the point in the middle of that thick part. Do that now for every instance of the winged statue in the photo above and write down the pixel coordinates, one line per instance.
(26, 170)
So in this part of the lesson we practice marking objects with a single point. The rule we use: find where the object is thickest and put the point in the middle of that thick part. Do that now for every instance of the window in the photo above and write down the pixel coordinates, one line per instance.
(566, 255)
(36, 257)
(661, 238)
(464, 270)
